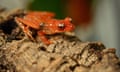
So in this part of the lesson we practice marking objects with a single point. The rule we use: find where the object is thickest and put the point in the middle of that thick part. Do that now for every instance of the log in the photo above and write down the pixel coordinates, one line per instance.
(67, 53)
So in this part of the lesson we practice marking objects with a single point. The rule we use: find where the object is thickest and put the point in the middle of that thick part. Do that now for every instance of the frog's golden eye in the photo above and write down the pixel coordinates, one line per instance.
(61, 26)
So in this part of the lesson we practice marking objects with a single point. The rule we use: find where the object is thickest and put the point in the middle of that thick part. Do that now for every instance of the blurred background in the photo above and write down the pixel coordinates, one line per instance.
(95, 20)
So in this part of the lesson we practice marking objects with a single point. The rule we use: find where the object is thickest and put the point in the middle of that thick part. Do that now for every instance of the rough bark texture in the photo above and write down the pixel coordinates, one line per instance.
(66, 53)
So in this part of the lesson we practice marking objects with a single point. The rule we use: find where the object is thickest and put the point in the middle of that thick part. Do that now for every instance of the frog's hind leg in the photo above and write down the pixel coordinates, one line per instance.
(28, 33)
(25, 29)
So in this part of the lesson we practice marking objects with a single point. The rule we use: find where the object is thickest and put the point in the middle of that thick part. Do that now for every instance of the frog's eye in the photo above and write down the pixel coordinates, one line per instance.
(61, 26)
(42, 24)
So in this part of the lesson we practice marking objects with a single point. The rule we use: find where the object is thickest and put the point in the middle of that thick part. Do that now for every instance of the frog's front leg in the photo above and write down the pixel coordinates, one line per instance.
(43, 38)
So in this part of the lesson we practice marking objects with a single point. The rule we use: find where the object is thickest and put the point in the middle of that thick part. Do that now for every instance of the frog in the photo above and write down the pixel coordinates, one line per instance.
(44, 23)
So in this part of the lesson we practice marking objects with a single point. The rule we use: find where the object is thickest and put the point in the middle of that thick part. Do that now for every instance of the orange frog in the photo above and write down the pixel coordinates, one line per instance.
(44, 23)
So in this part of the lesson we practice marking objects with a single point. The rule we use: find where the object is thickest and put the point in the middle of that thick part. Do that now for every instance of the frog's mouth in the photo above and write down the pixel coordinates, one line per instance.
(69, 33)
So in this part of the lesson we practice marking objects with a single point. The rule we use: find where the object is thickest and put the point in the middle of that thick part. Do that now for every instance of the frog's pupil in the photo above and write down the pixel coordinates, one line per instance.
(41, 24)
(61, 26)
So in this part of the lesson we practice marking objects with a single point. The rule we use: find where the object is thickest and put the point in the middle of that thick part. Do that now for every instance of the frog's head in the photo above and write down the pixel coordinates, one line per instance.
(64, 25)
(58, 26)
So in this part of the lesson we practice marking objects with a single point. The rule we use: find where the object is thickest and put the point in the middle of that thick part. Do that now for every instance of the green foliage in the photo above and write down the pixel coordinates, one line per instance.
(55, 6)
